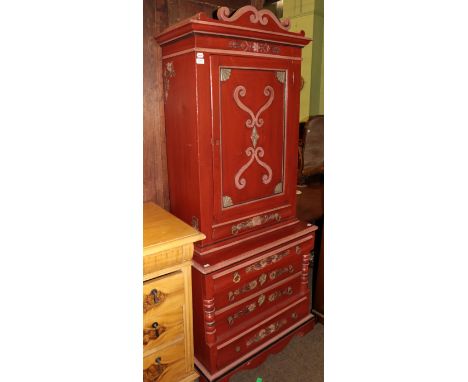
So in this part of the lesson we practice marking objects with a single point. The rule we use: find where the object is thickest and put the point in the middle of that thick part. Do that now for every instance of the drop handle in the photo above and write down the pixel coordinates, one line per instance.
(155, 326)
(153, 332)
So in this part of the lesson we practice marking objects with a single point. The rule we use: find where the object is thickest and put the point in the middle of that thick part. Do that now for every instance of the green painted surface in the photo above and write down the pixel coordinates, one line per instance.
(307, 15)
(316, 91)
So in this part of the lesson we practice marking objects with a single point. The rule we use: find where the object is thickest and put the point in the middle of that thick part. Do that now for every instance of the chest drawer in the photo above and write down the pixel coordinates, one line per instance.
(252, 276)
(162, 293)
(162, 327)
(240, 317)
(165, 365)
(243, 344)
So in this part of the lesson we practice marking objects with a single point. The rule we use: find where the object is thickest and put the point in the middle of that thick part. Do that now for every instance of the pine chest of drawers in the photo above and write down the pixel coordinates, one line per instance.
(231, 95)
(167, 297)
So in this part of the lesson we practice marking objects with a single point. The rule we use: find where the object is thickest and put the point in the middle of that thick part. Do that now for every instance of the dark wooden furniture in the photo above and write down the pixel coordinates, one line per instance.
(318, 308)
(311, 153)
(310, 202)
(231, 93)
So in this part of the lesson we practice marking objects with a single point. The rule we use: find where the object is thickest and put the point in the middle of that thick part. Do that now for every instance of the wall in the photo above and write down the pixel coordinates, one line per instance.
(307, 15)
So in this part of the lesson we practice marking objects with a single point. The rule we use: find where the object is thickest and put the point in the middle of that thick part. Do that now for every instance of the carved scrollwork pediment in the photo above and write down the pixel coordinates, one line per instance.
(251, 16)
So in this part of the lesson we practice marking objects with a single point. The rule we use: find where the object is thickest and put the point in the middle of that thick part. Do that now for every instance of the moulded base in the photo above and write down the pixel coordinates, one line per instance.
(255, 360)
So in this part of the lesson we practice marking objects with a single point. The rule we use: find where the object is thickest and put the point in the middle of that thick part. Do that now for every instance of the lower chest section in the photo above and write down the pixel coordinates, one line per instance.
(243, 307)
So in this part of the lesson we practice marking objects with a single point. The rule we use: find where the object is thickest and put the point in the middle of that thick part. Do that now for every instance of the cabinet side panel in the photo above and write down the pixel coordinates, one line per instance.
(181, 135)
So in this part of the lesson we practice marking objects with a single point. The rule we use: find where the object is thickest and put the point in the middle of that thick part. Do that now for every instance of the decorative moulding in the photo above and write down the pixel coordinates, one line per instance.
(263, 17)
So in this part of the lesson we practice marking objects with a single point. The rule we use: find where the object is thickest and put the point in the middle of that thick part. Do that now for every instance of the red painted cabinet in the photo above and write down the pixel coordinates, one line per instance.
(231, 96)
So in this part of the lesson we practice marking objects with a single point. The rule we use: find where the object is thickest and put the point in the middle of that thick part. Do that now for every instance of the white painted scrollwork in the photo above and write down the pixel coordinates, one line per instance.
(254, 119)
(255, 153)
(257, 16)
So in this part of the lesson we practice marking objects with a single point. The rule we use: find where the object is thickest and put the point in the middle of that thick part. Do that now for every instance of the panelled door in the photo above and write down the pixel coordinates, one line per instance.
(249, 99)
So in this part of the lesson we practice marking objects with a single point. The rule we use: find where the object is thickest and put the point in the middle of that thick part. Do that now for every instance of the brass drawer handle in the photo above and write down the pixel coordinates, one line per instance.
(154, 298)
(154, 371)
(152, 333)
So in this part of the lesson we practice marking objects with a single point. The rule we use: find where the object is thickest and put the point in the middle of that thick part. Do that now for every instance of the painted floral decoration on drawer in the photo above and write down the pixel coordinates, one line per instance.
(255, 221)
(266, 332)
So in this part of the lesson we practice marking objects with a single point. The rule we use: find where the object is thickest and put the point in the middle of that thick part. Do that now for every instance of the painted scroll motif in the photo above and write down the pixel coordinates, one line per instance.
(255, 121)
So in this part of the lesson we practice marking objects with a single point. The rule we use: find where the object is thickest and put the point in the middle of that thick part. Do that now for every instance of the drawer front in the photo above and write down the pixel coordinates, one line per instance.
(256, 337)
(256, 274)
(166, 365)
(162, 327)
(240, 317)
(163, 292)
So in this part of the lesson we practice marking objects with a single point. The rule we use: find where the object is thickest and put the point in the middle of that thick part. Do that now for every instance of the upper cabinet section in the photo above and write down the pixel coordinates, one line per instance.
(231, 100)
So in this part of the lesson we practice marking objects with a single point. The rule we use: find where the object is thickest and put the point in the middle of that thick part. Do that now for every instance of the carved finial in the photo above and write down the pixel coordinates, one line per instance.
(262, 16)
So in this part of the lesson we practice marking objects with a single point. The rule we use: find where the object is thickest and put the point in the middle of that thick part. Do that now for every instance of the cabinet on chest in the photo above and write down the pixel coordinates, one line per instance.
(231, 94)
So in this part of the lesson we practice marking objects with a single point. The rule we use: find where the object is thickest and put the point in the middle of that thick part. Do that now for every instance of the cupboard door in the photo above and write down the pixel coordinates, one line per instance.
(250, 130)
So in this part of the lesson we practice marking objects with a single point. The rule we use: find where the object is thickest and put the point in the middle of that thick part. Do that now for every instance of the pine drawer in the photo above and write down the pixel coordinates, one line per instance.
(166, 364)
